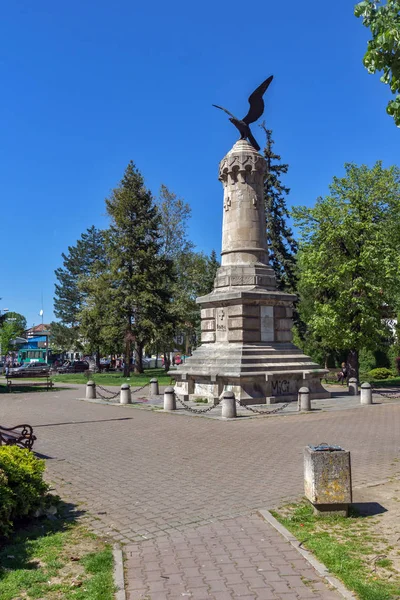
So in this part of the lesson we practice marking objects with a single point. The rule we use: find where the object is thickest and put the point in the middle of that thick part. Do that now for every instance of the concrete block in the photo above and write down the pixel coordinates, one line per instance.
(327, 480)
(208, 325)
(283, 324)
(244, 323)
(280, 312)
(207, 336)
(284, 336)
(207, 313)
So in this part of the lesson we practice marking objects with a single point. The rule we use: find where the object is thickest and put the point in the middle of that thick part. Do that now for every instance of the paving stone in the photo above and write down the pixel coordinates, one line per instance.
(197, 511)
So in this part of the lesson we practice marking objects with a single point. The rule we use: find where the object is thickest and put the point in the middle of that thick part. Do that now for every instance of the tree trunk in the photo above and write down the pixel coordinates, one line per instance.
(352, 364)
(138, 357)
(127, 357)
(98, 358)
(167, 362)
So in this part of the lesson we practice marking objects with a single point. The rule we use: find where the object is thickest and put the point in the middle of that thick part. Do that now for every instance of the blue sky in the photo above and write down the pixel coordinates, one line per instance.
(89, 85)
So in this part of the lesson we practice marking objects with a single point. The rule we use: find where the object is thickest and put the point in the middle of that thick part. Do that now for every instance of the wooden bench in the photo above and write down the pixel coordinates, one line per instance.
(20, 383)
(20, 435)
(331, 377)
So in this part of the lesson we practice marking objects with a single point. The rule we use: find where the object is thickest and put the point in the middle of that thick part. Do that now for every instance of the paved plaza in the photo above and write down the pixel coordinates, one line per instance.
(182, 493)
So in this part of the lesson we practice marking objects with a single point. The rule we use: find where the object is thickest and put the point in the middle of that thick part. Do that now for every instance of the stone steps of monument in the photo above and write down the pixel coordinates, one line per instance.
(260, 362)
(279, 367)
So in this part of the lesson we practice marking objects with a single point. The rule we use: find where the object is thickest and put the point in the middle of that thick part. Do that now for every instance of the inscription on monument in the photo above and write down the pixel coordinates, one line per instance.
(221, 320)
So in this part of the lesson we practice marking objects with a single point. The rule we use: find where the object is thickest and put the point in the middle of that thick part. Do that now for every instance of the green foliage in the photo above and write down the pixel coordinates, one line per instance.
(349, 260)
(383, 51)
(140, 274)
(21, 484)
(12, 325)
(6, 504)
(367, 360)
(65, 337)
(380, 373)
(282, 246)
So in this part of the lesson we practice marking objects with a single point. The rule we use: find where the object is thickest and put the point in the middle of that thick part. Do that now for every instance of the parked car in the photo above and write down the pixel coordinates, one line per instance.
(74, 366)
(33, 369)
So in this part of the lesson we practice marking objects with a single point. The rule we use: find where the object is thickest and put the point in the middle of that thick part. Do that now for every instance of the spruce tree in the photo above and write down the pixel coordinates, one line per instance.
(77, 263)
(282, 247)
(140, 274)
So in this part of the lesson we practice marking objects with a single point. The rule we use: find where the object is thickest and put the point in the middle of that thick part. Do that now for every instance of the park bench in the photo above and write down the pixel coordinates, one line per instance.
(48, 384)
(20, 435)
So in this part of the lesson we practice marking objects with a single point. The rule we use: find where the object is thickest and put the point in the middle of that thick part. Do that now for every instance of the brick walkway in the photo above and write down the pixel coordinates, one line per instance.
(182, 492)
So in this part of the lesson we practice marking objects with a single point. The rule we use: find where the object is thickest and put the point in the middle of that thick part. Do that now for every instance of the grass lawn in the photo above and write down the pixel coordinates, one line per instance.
(348, 547)
(100, 378)
(55, 560)
(24, 389)
(115, 378)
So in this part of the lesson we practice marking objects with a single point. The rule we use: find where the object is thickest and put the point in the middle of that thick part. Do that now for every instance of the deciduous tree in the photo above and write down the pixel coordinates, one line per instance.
(349, 259)
(383, 51)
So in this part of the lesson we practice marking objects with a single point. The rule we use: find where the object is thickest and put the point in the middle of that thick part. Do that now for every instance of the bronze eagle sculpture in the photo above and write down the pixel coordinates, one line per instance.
(255, 111)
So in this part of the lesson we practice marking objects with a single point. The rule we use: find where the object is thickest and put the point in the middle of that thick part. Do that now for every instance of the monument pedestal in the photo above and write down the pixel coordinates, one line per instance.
(245, 321)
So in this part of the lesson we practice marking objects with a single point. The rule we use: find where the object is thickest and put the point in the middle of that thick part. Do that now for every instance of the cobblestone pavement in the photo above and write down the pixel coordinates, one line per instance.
(175, 489)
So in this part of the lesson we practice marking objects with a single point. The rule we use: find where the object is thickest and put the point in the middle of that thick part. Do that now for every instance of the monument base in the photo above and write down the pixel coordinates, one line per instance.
(247, 349)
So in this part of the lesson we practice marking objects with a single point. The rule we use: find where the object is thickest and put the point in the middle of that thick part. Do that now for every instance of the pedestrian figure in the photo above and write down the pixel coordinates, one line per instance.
(342, 375)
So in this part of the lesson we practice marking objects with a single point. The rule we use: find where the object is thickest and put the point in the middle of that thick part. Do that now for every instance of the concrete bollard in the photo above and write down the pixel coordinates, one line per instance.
(353, 387)
(154, 390)
(125, 395)
(304, 399)
(327, 479)
(169, 399)
(228, 405)
(366, 393)
(91, 390)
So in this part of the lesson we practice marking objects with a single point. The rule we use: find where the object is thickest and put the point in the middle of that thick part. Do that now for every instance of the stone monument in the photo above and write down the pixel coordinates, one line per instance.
(246, 340)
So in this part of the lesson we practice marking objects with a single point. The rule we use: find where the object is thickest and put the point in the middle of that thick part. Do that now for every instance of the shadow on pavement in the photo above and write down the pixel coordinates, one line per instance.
(369, 509)
(82, 422)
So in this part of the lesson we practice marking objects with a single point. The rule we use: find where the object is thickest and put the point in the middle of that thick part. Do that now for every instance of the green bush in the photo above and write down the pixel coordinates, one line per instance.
(6, 504)
(381, 373)
(22, 488)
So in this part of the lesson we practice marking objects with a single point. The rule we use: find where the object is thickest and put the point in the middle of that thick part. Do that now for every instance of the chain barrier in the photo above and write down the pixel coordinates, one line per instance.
(389, 395)
(254, 410)
(262, 412)
(113, 395)
(194, 410)
(140, 389)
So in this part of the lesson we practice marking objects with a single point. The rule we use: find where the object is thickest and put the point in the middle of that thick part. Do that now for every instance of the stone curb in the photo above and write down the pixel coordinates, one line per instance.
(119, 580)
(318, 566)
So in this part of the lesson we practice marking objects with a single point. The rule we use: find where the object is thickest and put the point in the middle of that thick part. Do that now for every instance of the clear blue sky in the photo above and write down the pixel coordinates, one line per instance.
(88, 85)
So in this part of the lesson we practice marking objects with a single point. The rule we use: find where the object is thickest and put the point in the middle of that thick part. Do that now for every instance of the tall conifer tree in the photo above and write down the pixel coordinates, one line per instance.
(140, 274)
(282, 247)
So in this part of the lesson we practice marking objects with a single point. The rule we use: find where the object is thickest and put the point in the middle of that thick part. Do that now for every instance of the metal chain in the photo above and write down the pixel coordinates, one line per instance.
(114, 395)
(99, 387)
(262, 412)
(140, 389)
(254, 410)
(194, 410)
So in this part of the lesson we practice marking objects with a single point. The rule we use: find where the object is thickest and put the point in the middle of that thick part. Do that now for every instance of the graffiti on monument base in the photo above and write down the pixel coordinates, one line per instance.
(280, 387)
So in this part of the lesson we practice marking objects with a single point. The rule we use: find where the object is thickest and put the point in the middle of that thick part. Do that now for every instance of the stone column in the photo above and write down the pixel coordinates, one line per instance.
(91, 390)
(125, 395)
(366, 393)
(244, 241)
